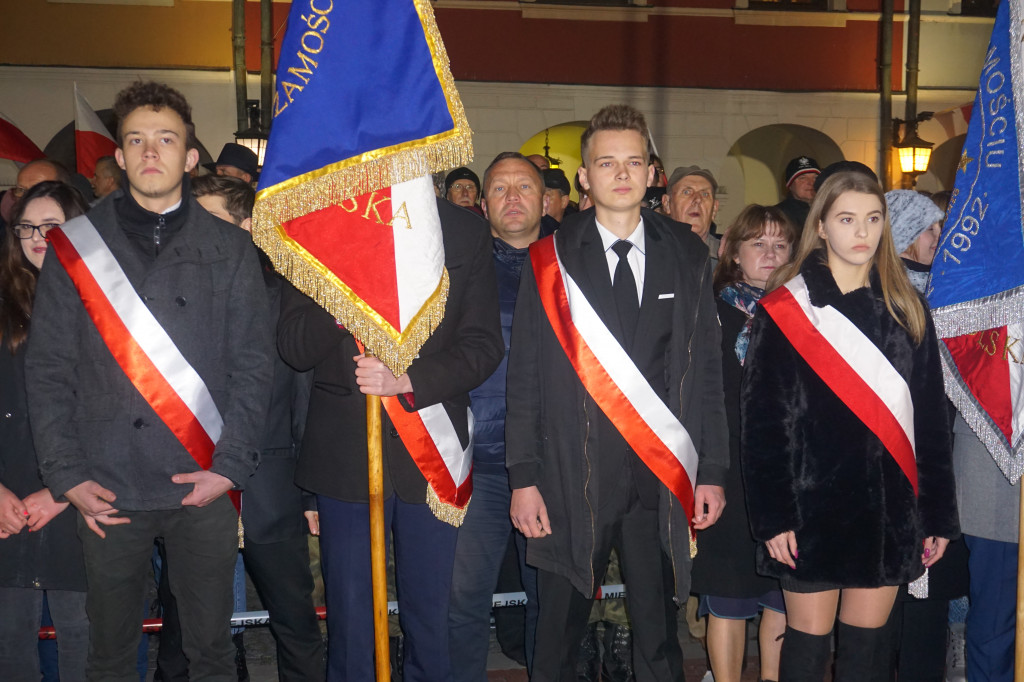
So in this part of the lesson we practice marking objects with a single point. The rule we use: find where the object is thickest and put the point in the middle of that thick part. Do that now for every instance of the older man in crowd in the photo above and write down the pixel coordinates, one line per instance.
(691, 199)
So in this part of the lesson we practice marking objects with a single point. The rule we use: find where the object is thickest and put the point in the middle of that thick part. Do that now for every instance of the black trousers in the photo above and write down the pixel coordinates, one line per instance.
(201, 544)
(280, 572)
(624, 523)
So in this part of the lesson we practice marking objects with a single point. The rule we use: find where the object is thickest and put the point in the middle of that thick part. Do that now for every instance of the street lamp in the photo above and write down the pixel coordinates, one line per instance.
(253, 137)
(552, 162)
(914, 152)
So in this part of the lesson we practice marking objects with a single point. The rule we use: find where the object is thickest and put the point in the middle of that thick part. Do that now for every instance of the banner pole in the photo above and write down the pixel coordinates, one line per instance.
(1018, 667)
(378, 561)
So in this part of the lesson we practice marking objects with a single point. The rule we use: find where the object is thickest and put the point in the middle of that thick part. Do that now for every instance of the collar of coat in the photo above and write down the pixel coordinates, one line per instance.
(823, 288)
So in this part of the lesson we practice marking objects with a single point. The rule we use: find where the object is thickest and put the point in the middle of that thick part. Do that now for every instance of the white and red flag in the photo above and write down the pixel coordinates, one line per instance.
(977, 283)
(92, 139)
(15, 145)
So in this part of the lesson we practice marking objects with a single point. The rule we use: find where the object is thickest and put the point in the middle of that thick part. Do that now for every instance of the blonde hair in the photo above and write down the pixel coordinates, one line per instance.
(901, 299)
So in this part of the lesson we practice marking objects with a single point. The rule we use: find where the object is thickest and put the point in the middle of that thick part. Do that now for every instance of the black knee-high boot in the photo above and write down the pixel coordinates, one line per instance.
(862, 654)
(804, 656)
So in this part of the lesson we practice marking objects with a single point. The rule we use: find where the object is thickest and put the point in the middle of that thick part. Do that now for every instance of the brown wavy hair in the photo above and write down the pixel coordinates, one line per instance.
(901, 299)
(751, 223)
(17, 274)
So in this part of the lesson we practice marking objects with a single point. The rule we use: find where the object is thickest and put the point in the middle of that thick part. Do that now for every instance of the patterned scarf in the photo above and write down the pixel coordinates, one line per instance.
(744, 297)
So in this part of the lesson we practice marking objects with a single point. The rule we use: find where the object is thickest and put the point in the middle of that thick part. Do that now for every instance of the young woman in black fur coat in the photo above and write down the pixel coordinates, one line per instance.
(845, 435)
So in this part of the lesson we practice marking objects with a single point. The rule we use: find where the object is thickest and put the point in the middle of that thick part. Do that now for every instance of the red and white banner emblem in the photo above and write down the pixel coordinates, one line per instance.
(430, 437)
(376, 262)
(989, 374)
(851, 366)
(141, 347)
(612, 379)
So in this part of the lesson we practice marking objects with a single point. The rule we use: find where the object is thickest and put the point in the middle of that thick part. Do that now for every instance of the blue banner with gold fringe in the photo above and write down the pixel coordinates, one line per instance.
(365, 108)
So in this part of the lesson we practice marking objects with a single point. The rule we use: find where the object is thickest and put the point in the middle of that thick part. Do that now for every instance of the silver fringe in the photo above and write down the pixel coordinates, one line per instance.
(1008, 457)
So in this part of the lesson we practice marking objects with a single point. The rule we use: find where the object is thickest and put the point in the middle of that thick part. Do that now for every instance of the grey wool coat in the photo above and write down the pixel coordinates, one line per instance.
(90, 423)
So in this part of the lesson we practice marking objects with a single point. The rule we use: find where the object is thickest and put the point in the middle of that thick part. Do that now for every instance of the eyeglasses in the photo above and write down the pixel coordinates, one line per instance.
(25, 230)
(464, 187)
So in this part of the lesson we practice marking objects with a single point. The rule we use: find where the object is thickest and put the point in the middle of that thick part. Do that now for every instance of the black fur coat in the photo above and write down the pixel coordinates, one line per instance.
(811, 466)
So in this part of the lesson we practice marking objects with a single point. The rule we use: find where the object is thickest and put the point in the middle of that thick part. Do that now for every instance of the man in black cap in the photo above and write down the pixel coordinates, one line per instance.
(237, 161)
(799, 177)
(462, 188)
(556, 189)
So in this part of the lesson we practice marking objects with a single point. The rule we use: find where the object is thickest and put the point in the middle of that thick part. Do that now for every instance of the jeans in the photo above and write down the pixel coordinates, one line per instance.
(483, 538)
(20, 614)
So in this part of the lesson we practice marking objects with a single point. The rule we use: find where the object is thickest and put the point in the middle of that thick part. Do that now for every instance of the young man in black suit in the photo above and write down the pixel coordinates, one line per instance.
(617, 310)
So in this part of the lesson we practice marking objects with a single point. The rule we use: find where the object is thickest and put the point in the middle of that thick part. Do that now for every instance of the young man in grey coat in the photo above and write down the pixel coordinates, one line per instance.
(146, 444)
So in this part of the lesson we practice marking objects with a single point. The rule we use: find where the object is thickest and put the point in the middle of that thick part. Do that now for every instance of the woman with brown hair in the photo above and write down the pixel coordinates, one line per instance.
(39, 546)
(731, 593)
(845, 435)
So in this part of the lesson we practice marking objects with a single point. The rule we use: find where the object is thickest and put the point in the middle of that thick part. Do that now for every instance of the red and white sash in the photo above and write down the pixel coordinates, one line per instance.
(851, 366)
(141, 347)
(433, 443)
(430, 437)
(612, 379)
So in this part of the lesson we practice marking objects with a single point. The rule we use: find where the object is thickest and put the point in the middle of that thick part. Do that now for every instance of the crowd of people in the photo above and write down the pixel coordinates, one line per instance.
(750, 418)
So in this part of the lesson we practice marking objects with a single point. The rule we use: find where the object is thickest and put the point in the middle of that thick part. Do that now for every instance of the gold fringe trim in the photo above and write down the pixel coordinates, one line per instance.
(379, 168)
(241, 532)
(313, 279)
(693, 544)
(448, 513)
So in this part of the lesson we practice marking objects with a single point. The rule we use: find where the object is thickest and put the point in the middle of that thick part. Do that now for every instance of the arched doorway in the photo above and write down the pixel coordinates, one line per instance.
(563, 141)
(943, 165)
(753, 168)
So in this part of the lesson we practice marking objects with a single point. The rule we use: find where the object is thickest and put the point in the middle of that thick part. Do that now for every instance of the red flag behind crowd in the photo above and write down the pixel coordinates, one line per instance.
(15, 145)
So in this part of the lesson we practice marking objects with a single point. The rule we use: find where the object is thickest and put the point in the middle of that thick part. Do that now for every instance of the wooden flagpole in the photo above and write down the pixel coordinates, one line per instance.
(1018, 667)
(378, 561)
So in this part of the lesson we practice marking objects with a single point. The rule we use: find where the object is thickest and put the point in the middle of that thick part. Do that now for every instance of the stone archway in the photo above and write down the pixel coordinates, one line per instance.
(753, 168)
(941, 174)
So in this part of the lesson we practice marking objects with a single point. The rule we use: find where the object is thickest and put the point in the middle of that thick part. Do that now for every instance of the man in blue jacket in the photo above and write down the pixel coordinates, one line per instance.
(514, 201)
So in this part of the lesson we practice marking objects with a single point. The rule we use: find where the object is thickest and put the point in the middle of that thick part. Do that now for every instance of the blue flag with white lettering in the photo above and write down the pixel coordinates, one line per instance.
(979, 262)
(977, 282)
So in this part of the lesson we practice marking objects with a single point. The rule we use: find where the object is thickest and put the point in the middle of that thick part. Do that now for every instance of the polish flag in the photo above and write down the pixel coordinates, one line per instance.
(15, 145)
(92, 139)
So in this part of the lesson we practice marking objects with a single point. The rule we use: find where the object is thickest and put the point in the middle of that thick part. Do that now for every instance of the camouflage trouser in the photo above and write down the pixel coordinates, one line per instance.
(611, 610)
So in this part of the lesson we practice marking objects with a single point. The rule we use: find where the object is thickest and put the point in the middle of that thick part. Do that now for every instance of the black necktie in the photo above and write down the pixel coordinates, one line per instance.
(624, 289)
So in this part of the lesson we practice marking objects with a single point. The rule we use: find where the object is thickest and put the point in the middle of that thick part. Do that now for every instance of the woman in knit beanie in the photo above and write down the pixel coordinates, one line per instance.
(916, 224)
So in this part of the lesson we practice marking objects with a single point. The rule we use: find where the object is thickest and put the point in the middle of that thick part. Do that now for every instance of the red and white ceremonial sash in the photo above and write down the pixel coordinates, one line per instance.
(430, 437)
(851, 366)
(612, 379)
(433, 443)
(141, 347)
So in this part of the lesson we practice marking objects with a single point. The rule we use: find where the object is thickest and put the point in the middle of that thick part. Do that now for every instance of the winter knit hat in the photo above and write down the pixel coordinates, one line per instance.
(910, 214)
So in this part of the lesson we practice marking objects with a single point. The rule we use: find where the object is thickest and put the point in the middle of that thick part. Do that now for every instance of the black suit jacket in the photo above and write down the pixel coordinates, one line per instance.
(550, 439)
(463, 351)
